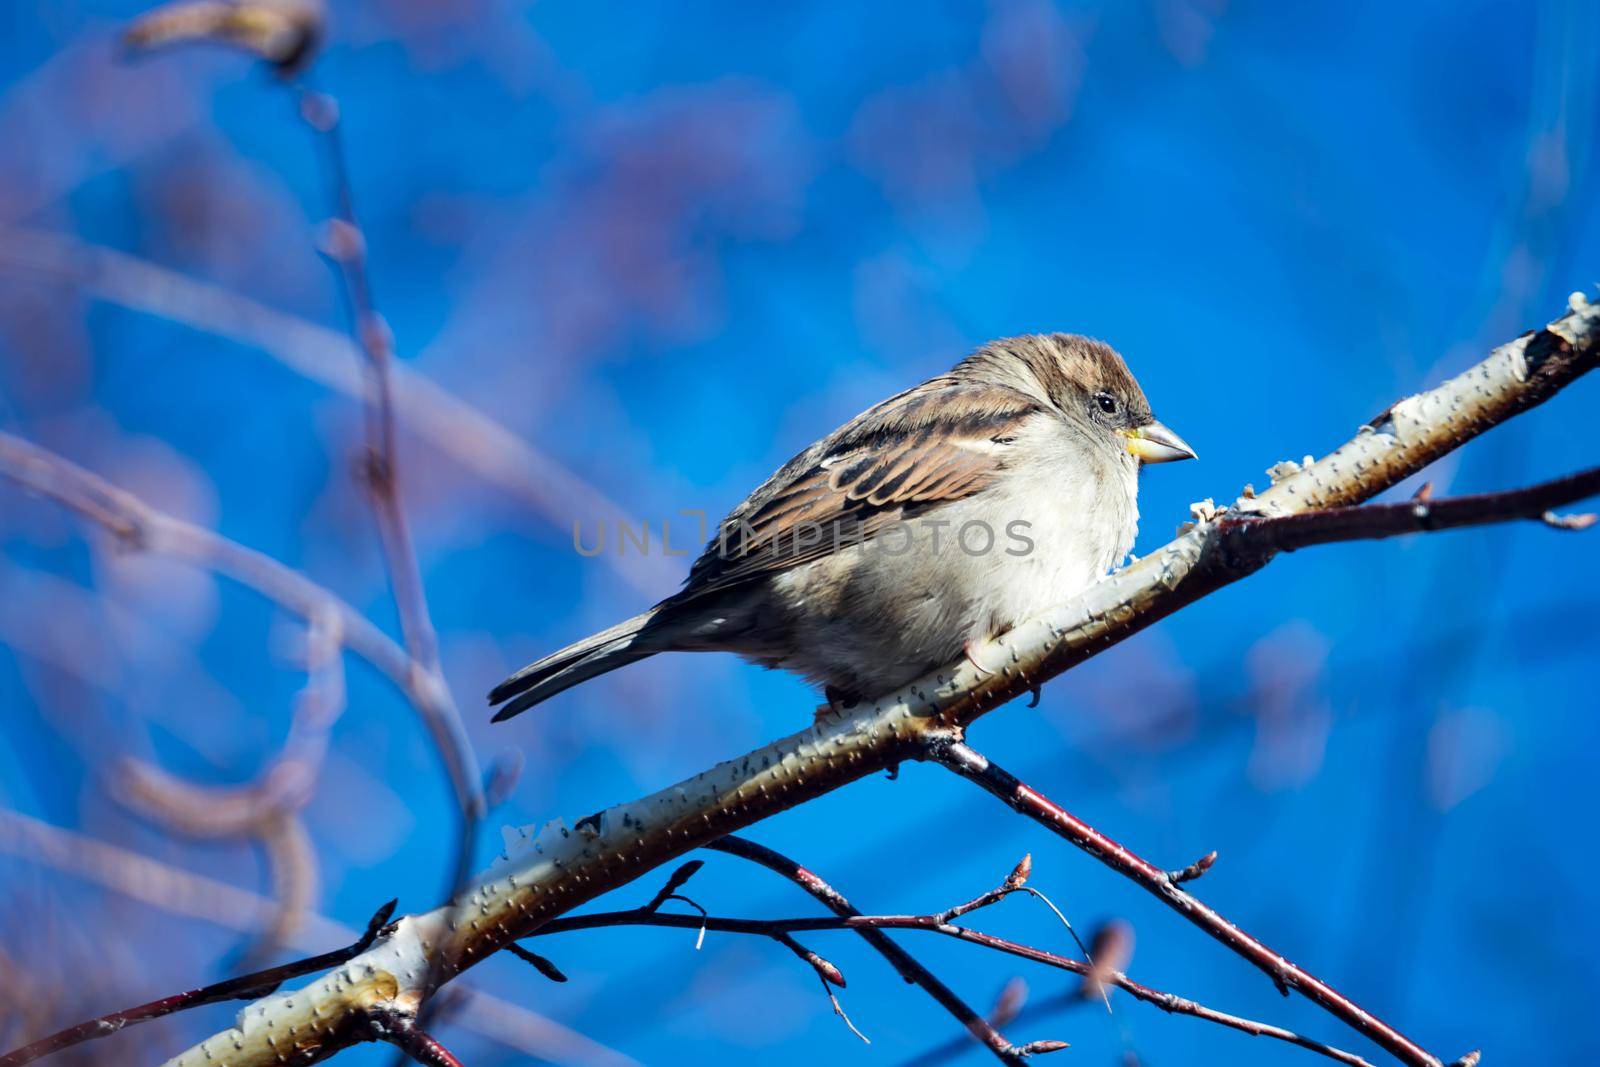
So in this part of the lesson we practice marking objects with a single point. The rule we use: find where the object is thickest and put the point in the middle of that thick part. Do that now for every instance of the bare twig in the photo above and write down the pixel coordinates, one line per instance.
(937, 924)
(401, 1031)
(181, 892)
(538, 962)
(669, 890)
(1194, 870)
(971, 765)
(1110, 950)
(245, 987)
(908, 967)
(1286, 533)
(346, 247)
(347, 250)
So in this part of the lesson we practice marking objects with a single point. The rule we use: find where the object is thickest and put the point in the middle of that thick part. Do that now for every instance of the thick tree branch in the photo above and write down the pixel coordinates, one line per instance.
(561, 868)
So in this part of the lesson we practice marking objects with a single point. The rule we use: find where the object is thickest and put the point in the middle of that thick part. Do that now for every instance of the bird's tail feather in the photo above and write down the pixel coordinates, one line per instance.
(578, 662)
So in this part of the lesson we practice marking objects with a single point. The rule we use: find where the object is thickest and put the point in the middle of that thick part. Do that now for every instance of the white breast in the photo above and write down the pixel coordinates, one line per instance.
(1074, 511)
(876, 616)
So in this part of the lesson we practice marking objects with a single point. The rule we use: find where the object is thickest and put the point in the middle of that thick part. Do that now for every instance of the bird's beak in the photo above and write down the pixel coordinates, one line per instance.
(1154, 443)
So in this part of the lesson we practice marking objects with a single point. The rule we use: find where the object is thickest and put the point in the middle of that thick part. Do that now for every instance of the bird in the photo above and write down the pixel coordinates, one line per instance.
(922, 528)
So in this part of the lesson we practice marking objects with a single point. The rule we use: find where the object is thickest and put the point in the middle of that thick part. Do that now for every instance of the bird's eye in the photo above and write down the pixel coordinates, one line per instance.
(1106, 402)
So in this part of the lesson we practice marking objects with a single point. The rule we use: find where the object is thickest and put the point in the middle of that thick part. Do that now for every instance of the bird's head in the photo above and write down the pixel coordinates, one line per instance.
(1089, 385)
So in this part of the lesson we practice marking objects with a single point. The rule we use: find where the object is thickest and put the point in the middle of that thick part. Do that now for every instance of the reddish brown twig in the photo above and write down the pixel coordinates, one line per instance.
(1110, 952)
(971, 765)
(906, 965)
(403, 1033)
(934, 923)
(245, 987)
(1249, 537)
(192, 896)
(1285, 533)
(346, 247)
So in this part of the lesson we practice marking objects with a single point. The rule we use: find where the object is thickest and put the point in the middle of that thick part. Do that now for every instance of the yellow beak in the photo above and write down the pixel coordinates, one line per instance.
(1154, 443)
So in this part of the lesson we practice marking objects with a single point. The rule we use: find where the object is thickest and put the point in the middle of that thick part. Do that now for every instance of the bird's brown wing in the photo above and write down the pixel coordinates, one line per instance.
(942, 441)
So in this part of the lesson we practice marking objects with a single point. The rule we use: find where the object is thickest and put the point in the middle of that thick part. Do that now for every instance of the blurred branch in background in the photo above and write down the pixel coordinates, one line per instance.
(136, 526)
(449, 425)
(266, 811)
(285, 33)
(345, 245)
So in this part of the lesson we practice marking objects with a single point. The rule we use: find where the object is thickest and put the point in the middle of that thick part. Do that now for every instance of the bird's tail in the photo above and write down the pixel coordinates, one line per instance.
(594, 655)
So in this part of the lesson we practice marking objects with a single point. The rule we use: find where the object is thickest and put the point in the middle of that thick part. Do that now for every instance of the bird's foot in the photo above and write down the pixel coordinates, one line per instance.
(969, 650)
(837, 701)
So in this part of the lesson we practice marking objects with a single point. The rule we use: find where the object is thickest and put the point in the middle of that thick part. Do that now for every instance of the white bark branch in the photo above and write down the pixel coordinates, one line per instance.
(563, 867)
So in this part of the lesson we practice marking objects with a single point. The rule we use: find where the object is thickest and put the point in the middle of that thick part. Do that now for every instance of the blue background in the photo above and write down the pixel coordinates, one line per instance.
(669, 245)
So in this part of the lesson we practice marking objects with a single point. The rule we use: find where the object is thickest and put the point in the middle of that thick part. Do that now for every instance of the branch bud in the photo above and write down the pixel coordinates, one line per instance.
(1019, 874)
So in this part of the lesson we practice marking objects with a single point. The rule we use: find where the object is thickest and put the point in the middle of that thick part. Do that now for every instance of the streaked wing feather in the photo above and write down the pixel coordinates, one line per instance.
(929, 446)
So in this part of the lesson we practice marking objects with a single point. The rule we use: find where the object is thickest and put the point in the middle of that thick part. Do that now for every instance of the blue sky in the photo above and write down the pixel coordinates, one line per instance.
(670, 246)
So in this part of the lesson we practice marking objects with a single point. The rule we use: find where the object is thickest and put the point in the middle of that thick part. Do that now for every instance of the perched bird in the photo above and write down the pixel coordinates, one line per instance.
(921, 528)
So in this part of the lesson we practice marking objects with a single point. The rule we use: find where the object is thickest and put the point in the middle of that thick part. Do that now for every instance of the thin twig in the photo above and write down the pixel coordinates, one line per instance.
(906, 965)
(1110, 949)
(346, 248)
(539, 963)
(402, 1031)
(971, 765)
(1167, 1002)
(245, 987)
(1365, 522)
(195, 896)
